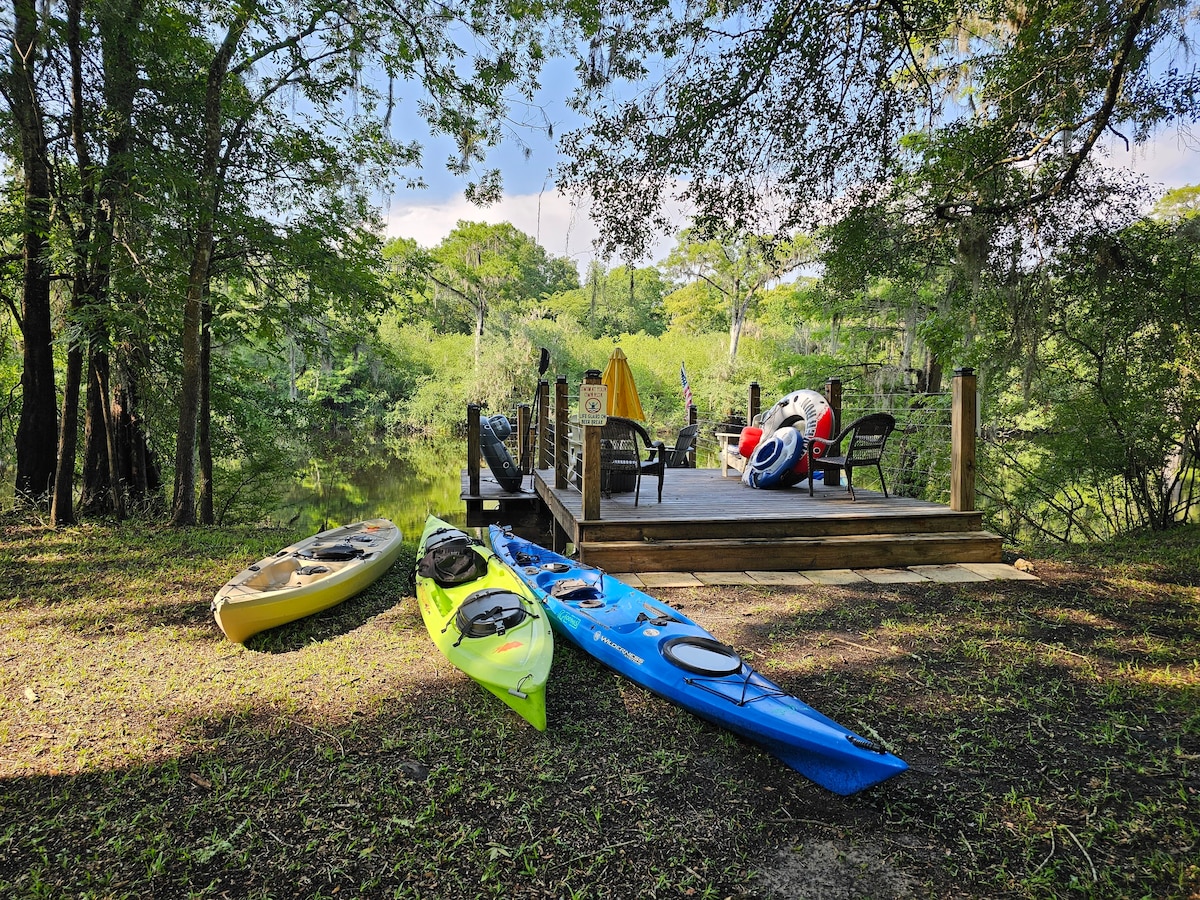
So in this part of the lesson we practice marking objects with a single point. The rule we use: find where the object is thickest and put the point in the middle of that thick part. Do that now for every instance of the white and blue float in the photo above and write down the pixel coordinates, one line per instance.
(774, 458)
(806, 413)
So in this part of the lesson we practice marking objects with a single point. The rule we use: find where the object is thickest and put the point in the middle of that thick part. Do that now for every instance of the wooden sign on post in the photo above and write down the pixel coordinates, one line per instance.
(593, 404)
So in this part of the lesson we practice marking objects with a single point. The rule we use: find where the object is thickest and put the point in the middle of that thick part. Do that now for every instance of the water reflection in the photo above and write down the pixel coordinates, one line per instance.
(404, 479)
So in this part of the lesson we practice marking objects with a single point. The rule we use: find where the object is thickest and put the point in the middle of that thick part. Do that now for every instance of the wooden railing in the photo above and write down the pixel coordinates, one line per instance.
(542, 438)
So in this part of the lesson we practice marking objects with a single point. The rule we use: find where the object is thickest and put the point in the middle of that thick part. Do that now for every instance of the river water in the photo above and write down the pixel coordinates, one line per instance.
(403, 479)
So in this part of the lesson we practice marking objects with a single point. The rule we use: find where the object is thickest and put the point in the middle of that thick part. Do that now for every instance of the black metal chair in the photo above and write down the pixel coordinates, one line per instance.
(622, 465)
(685, 443)
(867, 438)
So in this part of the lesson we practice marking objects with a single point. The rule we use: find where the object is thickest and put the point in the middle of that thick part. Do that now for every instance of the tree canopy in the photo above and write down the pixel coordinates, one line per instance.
(762, 116)
(170, 149)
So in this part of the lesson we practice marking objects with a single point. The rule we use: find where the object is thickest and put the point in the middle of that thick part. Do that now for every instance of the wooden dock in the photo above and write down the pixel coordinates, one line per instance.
(708, 522)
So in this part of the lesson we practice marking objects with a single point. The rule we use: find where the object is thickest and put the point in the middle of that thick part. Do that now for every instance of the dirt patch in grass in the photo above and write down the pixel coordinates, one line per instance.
(1051, 729)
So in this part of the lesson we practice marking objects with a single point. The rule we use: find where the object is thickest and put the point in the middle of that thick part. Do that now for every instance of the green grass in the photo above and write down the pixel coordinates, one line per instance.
(1052, 729)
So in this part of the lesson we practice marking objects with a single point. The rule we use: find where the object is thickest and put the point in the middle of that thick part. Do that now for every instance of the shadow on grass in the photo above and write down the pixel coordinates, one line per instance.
(1045, 762)
(395, 586)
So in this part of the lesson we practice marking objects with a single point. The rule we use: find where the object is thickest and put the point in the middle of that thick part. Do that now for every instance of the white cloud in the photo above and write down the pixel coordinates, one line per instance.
(565, 228)
(1171, 159)
(559, 224)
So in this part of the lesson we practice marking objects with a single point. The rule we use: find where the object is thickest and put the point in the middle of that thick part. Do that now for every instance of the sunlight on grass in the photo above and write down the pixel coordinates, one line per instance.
(1051, 732)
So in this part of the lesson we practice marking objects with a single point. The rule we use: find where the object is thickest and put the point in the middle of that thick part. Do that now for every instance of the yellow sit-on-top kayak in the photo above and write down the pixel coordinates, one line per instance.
(305, 578)
(484, 619)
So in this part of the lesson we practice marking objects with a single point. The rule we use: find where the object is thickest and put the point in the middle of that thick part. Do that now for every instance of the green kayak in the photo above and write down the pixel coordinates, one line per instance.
(484, 619)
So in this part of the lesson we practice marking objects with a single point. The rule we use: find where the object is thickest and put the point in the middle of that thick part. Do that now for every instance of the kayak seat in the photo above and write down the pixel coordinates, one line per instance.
(574, 589)
(489, 612)
(331, 552)
(274, 575)
(452, 563)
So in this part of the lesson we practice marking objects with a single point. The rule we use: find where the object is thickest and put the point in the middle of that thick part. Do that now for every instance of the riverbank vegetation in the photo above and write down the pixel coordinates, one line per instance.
(1050, 727)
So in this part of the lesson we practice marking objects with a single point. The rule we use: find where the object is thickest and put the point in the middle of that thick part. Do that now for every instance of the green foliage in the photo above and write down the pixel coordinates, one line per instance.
(237, 151)
(480, 270)
(10, 380)
(1179, 203)
(736, 266)
(697, 308)
(436, 374)
(614, 302)
(1113, 410)
(258, 438)
(760, 116)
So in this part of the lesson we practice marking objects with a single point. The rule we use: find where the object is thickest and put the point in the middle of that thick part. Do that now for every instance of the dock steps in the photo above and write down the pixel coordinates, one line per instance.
(794, 553)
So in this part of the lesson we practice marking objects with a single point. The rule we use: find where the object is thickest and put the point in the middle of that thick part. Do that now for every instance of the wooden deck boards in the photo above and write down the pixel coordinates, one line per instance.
(708, 522)
(700, 502)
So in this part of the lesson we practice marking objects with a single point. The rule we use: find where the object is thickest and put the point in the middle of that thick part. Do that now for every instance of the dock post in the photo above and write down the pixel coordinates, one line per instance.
(833, 393)
(591, 460)
(693, 419)
(524, 420)
(753, 403)
(963, 423)
(543, 423)
(473, 449)
(562, 419)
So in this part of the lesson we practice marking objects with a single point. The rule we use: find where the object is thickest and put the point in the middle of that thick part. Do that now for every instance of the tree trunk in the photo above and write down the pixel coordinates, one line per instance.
(94, 496)
(479, 313)
(738, 307)
(183, 504)
(116, 486)
(205, 424)
(37, 431)
(933, 375)
(62, 509)
(138, 471)
(101, 191)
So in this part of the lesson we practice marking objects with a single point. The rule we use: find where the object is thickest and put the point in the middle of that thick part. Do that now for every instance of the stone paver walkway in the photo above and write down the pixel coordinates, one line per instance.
(956, 573)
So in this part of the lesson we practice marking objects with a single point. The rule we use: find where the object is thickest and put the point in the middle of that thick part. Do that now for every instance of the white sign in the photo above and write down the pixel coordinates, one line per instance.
(593, 404)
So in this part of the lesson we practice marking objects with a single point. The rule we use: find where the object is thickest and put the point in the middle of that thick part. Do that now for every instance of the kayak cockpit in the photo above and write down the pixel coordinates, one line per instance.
(288, 572)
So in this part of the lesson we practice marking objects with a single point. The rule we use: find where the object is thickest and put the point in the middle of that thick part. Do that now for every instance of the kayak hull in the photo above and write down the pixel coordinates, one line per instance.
(303, 579)
(489, 625)
(666, 652)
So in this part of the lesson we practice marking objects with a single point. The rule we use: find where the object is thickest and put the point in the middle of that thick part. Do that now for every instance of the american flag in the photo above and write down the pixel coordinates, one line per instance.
(687, 388)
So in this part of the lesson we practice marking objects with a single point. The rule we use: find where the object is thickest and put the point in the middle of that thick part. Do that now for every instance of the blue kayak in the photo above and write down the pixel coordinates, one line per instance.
(666, 652)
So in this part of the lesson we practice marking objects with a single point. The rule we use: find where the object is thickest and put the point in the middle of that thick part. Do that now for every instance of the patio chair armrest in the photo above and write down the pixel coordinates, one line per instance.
(825, 442)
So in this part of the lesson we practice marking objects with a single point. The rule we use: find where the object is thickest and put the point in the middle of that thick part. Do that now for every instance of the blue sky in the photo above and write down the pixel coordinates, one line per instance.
(533, 204)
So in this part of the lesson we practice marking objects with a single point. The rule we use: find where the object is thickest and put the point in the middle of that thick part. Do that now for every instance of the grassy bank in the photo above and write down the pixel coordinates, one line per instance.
(1052, 728)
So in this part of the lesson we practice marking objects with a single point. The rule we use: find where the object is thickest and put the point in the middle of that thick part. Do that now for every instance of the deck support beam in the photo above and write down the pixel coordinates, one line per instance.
(524, 445)
(543, 424)
(473, 448)
(591, 460)
(963, 424)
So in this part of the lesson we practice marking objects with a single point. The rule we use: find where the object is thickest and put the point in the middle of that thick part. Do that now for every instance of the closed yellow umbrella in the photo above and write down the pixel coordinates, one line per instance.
(622, 392)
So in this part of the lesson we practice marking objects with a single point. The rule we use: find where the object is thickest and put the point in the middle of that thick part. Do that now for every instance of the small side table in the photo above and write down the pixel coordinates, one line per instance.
(730, 458)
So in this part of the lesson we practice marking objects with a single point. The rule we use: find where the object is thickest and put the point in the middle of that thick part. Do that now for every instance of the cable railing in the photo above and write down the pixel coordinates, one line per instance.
(917, 463)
